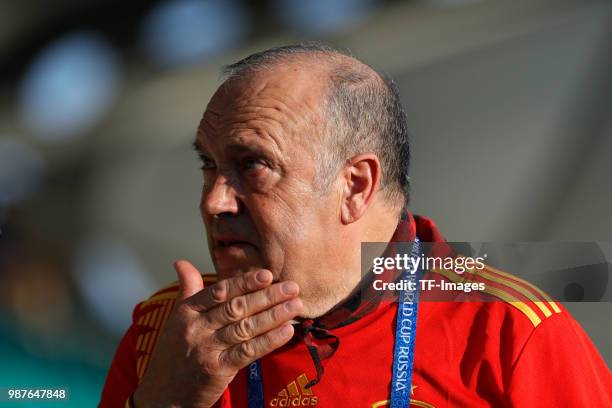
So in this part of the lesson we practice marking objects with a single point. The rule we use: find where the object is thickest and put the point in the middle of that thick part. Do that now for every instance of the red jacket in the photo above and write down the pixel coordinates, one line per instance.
(521, 351)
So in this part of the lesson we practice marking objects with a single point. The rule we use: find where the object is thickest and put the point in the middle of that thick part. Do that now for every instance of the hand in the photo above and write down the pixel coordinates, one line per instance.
(214, 332)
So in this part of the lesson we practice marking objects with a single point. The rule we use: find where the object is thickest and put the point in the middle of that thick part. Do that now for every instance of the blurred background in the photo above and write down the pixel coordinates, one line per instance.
(509, 103)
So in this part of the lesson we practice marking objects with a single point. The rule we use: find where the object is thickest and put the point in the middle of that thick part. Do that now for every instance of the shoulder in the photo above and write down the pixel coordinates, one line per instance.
(497, 322)
(517, 296)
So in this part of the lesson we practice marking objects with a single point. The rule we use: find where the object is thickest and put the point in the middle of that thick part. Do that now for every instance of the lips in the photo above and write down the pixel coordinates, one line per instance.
(229, 241)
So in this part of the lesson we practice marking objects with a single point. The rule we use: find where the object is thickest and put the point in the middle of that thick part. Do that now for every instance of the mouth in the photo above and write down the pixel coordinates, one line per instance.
(231, 242)
(228, 243)
(233, 252)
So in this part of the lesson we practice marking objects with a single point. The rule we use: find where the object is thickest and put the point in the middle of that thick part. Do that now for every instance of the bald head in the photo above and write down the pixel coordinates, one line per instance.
(361, 107)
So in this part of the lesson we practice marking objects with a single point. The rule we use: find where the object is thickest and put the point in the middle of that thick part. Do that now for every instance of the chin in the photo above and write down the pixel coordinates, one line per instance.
(314, 306)
(313, 312)
(230, 269)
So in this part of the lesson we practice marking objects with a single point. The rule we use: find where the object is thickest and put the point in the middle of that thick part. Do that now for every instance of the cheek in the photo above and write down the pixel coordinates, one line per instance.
(291, 223)
(279, 236)
(292, 247)
(276, 246)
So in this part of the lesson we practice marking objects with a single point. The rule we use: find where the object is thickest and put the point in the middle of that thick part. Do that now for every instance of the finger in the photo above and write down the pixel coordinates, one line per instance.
(227, 289)
(190, 279)
(243, 354)
(240, 307)
(253, 326)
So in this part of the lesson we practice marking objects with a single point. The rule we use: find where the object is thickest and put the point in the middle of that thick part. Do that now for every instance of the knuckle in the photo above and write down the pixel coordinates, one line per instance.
(243, 329)
(235, 308)
(218, 291)
(206, 318)
(224, 359)
(182, 309)
(189, 333)
(276, 313)
(229, 359)
(247, 350)
(268, 340)
(210, 365)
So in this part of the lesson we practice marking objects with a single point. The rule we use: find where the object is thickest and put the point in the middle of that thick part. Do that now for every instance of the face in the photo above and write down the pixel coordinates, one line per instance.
(257, 140)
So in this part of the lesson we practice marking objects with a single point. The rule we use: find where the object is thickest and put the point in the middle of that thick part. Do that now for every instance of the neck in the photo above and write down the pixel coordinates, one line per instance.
(327, 297)
(323, 298)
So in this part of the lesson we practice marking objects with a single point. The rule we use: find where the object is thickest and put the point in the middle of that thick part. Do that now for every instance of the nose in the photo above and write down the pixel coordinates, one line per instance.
(220, 198)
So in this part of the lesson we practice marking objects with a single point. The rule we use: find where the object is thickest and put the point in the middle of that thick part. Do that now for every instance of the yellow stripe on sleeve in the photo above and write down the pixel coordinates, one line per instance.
(522, 290)
(522, 306)
(547, 298)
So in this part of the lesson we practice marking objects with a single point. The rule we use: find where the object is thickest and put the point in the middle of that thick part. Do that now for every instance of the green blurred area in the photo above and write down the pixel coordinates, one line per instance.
(22, 368)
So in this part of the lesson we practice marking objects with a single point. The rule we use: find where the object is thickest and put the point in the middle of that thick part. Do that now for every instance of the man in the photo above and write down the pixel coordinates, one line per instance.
(305, 156)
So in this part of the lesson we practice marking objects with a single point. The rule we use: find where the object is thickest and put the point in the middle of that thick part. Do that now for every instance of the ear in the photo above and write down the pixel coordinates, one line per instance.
(361, 180)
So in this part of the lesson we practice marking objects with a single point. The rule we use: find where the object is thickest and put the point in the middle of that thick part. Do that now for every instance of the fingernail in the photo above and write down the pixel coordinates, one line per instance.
(262, 276)
(289, 288)
(286, 330)
(293, 305)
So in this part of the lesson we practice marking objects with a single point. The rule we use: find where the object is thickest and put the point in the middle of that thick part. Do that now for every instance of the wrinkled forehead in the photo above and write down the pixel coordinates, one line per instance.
(285, 100)
(299, 78)
(290, 84)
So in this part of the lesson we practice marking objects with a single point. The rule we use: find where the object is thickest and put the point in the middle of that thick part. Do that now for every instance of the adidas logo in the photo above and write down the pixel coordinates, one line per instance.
(295, 394)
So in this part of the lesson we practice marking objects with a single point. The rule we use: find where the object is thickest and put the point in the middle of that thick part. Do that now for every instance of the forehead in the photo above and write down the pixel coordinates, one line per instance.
(280, 105)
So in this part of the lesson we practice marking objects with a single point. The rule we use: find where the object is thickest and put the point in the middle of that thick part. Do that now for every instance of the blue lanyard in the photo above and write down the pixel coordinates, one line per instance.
(403, 352)
(255, 385)
(256, 398)
(405, 334)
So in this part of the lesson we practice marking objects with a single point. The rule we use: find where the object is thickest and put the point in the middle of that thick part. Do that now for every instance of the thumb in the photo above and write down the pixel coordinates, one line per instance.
(190, 279)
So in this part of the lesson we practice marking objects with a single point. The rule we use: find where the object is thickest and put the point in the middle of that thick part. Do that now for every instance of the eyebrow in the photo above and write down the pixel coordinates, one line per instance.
(200, 149)
(235, 148)
(242, 148)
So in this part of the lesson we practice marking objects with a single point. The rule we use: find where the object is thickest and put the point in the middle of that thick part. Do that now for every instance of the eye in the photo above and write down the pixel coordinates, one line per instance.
(253, 164)
(207, 163)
